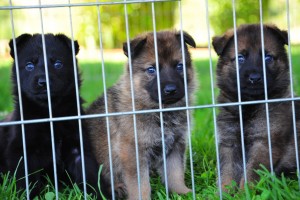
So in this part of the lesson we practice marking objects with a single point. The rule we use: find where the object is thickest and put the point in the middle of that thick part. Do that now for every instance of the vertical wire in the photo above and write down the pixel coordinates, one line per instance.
(49, 104)
(239, 91)
(78, 105)
(20, 100)
(160, 102)
(292, 90)
(213, 101)
(105, 103)
(265, 85)
(133, 102)
(187, 101)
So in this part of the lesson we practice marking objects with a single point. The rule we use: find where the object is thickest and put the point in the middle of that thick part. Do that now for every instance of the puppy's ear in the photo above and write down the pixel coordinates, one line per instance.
(68, 42)
(20, 41)
(219, 42)
(187, 38)
(281, 34)
(135, 46)
(76, 46)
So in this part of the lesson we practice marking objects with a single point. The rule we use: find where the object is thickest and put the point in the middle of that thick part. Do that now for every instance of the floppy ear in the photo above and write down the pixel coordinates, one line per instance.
(219, 42)
(187, 38)
(135, 46)
(282, 34)
(68, 41)
(20, 41)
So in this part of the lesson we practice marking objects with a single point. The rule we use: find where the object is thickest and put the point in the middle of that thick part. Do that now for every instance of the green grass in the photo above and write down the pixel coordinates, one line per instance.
(203, 142)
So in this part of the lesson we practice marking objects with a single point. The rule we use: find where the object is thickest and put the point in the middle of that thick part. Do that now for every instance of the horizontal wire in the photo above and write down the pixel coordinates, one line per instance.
(149, 111)
(83, 4)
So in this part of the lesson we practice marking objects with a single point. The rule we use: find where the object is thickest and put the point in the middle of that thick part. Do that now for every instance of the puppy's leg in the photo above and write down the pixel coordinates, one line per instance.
(15, 164)
(175, 170)
(230, 151)
(230, 163)
(287, 163)
(73, 163)
(128, 161)
(259, 154)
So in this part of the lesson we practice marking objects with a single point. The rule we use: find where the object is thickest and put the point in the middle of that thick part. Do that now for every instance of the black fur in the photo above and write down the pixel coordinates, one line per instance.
(35, 106)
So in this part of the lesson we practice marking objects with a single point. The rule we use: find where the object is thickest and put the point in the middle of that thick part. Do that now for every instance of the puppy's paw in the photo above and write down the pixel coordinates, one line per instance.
(242, 183)
(181, 190)
(184, 190)
(120, 190)
(77, 155)
(227, 182)
(249, 183)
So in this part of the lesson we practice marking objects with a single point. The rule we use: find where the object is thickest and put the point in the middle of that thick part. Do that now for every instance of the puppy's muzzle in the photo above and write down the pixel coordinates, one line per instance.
(42, 82)
(255, 78)
(170, 89)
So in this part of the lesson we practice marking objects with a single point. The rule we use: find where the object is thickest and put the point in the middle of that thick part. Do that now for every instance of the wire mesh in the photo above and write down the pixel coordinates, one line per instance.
(188, 108)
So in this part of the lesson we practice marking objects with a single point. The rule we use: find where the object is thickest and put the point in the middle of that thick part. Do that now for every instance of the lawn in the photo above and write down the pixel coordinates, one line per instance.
(203, 142)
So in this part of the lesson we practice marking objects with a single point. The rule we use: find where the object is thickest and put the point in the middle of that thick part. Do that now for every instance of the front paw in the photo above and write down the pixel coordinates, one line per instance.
(120, 190)
(183, 190)
(250, 180)
(242, 183)
(226, 183)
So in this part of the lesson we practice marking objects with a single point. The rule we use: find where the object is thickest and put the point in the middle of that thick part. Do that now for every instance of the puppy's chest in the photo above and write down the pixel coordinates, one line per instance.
(171, 123)
(174, 130)
(38, 134)
(257, 124)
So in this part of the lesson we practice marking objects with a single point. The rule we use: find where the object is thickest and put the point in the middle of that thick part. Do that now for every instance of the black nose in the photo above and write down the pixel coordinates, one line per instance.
(42, 82)
(170, 89)
(255, 77)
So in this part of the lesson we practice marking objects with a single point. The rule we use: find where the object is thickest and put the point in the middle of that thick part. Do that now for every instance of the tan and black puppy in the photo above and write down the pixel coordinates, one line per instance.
(148, 125)
(250, 62)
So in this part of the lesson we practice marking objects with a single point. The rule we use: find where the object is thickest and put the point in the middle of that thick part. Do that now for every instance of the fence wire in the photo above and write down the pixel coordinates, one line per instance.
(188, 108)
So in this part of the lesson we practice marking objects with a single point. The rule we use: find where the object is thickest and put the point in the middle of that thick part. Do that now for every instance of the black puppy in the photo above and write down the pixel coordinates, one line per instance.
(31, 65)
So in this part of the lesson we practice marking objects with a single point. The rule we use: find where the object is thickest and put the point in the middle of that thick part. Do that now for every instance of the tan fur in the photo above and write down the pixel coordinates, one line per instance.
(147, 125)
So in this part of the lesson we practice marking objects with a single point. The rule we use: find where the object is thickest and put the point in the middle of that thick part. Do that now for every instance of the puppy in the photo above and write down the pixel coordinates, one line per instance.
(33, 90)
(148, 126)
(250, 62)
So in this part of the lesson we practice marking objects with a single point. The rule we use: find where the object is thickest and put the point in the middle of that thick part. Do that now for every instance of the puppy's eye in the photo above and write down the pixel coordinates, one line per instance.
(241, 58)
(179, 67)
(151, 70)
(58, 64)
(29, 66)
(268, 58)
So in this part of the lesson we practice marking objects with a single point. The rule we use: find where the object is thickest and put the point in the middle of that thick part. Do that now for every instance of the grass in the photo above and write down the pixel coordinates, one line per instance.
(203, 143)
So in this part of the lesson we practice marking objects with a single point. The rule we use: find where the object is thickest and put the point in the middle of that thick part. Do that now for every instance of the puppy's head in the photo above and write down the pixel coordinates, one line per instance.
(31, 64)
(169, 62)
(250, 61)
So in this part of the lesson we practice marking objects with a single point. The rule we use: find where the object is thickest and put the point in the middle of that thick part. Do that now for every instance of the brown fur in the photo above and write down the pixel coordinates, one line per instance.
(254, 115)
(148, 125)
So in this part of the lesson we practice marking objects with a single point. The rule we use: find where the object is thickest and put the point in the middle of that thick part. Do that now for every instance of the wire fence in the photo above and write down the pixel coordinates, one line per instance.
(187, 108)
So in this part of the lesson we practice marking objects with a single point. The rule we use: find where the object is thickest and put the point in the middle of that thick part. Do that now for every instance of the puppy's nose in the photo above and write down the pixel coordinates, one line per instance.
(170, 89)
(42, 82)
(255, 78)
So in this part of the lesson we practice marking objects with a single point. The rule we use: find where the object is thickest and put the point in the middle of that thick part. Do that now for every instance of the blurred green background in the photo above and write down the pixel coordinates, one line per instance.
(85, 19)
(112, 17)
